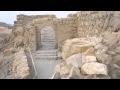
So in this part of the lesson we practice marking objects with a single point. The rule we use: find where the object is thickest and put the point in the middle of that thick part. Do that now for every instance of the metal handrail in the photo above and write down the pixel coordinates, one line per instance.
(33, 64)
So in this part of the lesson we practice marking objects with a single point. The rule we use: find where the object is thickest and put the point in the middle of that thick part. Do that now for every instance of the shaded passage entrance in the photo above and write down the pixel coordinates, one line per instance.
(48, 41)
(46, 56)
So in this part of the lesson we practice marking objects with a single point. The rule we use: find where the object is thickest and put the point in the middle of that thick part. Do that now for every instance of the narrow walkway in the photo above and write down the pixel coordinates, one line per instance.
(46, 57)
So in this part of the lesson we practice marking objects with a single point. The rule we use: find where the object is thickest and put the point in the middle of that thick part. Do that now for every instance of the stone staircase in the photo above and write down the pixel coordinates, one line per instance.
(46, 57)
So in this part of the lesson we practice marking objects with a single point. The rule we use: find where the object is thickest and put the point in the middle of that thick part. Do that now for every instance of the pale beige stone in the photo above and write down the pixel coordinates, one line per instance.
(89, 59)
(75, 60)
(90, 52)
(20, 68)
(64, 72)
(102, 57)
(94, 68)
(74, 46)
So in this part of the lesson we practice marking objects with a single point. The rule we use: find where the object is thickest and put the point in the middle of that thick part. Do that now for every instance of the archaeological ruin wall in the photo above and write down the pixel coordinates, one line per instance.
(32, 32)
(64, 28)
(26, 30)
(95, 23)
(22, 19)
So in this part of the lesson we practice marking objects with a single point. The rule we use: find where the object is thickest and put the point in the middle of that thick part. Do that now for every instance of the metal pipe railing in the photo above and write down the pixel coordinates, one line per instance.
(33, 64)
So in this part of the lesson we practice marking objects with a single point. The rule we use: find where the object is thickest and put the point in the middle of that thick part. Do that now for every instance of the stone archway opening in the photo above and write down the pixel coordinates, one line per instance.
(47, 38)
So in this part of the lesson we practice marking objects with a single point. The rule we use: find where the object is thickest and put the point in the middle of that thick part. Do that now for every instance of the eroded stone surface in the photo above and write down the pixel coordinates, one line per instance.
(103, 26)
(14, 66)
(75, 60)
(94, 68)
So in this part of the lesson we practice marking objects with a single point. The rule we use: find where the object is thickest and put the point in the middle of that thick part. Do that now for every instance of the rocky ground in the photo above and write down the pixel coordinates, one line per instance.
(13, 64)
(4, 32)
(90, 58)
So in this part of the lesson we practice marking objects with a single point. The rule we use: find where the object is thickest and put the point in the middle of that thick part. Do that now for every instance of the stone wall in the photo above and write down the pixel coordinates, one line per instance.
(95, 23)
(27, 29)
(13, 64)
(81, 24)
(66, 29)
(23, 20)
(33, 29)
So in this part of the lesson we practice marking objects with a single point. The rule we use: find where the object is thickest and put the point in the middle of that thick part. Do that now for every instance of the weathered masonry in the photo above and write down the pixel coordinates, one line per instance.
(80, 24)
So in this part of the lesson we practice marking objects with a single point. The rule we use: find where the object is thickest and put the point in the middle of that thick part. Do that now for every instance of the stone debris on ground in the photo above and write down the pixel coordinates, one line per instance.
(85, 45)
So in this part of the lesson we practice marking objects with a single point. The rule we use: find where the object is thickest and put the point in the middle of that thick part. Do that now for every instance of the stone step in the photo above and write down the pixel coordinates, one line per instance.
(45, 58)
(51, 37)
(48, 44)
(48, 37)
(47, 34)
(46, 54)
(48, 40)
(47, 51)
(47, 48)
(50, 34)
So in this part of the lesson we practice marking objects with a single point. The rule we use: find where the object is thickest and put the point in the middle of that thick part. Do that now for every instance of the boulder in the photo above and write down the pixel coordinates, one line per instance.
(94, 68)
(117, 50)
(62, 69)
(101, 47)
(64, 72)
(89, 59)
(83, 76)
(75, 60)
(74, 46)
(116, 59)
(90, 52)
(114, 71)
(58, 66)
(102, 57)
(111, 53)
(109, 39)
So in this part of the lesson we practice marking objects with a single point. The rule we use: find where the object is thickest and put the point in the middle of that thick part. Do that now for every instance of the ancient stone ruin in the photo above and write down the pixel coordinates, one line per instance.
(85, 45)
